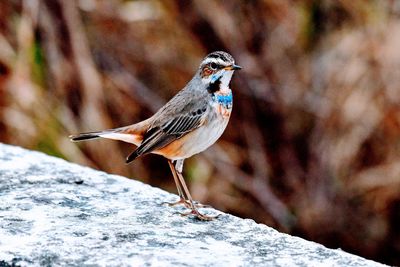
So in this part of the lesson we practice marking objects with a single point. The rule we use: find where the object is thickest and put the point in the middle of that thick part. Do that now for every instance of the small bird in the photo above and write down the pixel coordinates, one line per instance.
(188, 124)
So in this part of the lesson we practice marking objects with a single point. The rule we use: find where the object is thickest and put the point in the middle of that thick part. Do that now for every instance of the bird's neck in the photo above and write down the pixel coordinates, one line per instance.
(214, 87)
(220, 86)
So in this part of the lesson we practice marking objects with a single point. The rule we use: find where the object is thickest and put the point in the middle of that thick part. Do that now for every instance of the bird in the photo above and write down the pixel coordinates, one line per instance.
(189, 123)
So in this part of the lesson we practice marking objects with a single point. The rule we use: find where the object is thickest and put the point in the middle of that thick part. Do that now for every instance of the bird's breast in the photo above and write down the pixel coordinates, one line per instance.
(201, 138)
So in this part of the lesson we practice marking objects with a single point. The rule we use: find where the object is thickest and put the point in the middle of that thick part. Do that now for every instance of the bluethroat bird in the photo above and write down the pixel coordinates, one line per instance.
(188, 124)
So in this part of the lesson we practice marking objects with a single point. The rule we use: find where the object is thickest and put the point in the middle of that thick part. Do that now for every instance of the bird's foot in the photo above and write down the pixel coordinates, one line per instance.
(179, 202)
(186, 203)
(199, 216)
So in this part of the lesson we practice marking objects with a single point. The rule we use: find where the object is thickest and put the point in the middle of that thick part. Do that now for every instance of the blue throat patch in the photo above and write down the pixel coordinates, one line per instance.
(225, 100)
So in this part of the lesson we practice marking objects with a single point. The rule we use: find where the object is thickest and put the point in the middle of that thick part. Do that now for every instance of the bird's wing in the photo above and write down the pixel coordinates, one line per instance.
(170, 127)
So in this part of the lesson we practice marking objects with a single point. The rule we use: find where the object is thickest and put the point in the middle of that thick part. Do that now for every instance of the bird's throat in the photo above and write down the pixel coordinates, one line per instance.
(220, 94)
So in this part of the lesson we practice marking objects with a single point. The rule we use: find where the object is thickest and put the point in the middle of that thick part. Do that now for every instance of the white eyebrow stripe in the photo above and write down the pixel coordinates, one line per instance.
(214, 60)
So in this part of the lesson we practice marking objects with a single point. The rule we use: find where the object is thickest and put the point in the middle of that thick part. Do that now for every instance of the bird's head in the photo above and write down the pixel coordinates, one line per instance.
(217, 69)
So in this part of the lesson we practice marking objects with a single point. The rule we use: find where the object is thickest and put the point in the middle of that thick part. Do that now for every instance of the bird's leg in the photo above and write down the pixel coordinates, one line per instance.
(182, 198)
(194, 208)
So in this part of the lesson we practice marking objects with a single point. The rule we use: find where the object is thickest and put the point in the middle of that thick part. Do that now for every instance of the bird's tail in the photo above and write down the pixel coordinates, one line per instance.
(131, 134)
(85, 136)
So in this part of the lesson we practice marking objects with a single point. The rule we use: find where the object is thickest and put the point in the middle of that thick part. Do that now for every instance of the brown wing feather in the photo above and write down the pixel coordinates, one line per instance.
(160, 136)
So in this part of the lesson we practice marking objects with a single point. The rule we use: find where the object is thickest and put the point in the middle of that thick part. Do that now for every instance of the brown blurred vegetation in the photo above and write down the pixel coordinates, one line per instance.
(313, 145)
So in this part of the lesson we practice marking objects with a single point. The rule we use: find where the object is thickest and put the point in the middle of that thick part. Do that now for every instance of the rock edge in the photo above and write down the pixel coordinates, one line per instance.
(57, 213)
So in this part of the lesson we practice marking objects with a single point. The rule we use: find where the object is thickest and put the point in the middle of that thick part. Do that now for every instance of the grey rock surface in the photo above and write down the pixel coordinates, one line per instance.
(54, 213)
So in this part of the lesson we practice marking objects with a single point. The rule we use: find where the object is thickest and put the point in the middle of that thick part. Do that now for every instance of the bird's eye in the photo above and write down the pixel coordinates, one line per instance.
(213, 66)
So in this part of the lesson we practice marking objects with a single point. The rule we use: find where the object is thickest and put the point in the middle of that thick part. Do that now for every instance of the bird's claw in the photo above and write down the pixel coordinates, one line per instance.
(186, 203)
(199, 216)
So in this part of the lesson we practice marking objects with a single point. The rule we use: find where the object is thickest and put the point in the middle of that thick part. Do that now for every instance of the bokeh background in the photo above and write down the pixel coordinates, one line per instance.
(313, 146)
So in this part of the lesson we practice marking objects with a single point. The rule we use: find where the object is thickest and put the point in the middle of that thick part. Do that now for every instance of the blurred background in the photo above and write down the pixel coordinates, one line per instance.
(313, 145)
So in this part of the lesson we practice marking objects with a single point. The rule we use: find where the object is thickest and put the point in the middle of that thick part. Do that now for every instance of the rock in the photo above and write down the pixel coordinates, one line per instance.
(56, 213)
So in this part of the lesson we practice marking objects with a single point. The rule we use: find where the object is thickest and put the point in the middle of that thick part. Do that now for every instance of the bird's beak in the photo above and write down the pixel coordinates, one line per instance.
(233, 67)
